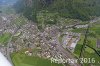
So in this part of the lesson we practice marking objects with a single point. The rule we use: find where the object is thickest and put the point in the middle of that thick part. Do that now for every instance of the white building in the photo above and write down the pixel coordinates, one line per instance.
(4, 18)
(4, 61)
(70, 40)
(82, 26)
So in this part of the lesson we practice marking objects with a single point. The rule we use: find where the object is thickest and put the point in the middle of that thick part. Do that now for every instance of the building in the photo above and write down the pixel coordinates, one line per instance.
(98, 43)
(82, 26)
(70, 40)
(4, 61)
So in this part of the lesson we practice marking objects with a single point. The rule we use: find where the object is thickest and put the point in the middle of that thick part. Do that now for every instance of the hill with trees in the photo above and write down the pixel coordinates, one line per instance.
(75, 9)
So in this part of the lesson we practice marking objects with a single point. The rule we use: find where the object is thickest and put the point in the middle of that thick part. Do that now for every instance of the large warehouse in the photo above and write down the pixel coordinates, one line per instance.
(4, 61)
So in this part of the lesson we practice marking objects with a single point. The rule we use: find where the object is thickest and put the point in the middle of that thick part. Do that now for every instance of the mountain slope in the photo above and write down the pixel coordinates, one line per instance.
(78, 9)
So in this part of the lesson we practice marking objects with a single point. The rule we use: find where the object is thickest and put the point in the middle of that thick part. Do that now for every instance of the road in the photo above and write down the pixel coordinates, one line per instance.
(66, 54)
(8, 52)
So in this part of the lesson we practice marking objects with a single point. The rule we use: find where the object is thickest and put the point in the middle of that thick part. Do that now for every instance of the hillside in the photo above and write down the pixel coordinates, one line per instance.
(77, 9)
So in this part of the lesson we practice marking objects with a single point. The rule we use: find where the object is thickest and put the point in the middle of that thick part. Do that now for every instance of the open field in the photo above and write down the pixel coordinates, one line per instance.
(20, 59)
(78, 46)
(88, 52)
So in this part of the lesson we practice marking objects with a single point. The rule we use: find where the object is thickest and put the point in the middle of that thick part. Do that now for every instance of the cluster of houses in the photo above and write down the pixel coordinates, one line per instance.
(70, 40)
(29, 52)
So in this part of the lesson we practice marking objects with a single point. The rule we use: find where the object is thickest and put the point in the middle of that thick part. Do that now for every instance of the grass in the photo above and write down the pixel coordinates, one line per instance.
(20, 59)
(90, 53)
(96, 29)
(4, 38)
(78, 46)
(91, 39)
(89, 50)
(77, 50)
(46, 18)
(92, 42)
(79, 30)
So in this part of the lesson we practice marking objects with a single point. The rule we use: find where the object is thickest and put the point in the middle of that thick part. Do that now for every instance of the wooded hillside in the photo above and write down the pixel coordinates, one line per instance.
(77, 9)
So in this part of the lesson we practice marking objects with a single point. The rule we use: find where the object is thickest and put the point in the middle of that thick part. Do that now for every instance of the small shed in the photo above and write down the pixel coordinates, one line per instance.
(98, 43)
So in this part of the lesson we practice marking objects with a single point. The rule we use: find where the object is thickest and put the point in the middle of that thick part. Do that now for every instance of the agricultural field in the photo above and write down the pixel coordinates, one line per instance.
(94, 34)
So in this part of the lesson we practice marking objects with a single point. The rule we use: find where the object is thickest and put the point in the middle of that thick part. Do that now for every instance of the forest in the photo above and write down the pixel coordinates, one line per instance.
(75, 9)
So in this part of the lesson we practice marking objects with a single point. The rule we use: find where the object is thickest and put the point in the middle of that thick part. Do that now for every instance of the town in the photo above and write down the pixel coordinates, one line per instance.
(27, 43)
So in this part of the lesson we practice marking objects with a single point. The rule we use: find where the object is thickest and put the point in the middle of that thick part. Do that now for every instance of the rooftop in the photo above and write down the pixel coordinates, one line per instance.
(98, 43)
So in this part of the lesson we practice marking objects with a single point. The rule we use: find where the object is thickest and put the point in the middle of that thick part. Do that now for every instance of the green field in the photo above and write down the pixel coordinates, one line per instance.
(78, 46)
(88, 53)
(20, 59)
(4, 38)
(94, 34)
(96, 30)
(79, 30)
